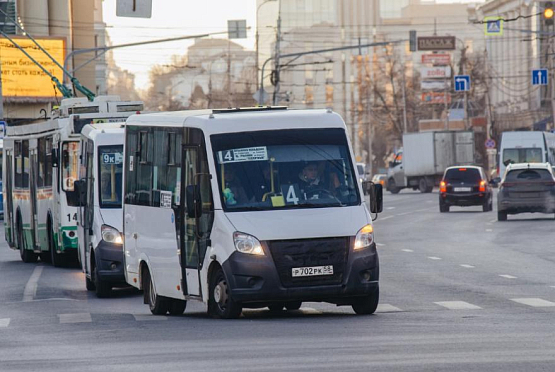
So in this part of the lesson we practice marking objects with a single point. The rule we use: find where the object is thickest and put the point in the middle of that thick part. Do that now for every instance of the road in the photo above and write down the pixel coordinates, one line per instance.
(459, 292)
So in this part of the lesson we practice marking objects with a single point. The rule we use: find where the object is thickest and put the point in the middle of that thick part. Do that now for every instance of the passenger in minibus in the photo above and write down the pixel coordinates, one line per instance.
(234, 192)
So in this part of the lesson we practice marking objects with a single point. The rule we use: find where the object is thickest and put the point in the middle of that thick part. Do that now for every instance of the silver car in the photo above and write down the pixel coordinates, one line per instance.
(527, 187)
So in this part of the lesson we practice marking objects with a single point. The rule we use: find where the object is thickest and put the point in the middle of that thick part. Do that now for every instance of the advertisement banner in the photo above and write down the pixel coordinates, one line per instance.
(21, 77)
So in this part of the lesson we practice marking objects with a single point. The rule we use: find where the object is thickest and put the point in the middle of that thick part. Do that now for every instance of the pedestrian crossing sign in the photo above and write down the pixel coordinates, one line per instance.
(493, 26)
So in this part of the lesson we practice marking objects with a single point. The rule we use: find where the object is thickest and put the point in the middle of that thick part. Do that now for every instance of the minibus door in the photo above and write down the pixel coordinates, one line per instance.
(189, 226)
(88, 207)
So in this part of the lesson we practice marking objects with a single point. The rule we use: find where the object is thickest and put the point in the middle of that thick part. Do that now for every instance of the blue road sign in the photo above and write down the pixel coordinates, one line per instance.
(539, 77)
(494, 26)
(490, 143)
(462, 83)
(2, 128)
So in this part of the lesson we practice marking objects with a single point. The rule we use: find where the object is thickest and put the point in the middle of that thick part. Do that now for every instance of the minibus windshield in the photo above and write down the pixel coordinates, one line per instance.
(110, 174)
(522, 155)
(282, 169)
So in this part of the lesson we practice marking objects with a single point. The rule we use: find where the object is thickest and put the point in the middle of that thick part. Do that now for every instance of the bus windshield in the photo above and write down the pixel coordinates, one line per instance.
(522, 155)
(70, 163)
(110, 175)
(281, 169)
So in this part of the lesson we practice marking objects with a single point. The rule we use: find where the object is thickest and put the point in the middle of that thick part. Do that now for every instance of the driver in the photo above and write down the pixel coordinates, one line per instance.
(310, 179)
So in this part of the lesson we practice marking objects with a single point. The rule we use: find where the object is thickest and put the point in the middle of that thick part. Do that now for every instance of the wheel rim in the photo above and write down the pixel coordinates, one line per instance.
(221, 294)
(152, 294)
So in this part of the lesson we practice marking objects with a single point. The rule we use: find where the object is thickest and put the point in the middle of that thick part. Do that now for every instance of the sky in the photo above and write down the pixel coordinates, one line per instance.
(175, 18)
(171, 18)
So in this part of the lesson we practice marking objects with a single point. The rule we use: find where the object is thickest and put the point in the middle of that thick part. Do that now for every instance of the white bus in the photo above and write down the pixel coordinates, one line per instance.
(41, 163)
(526, 147)
(246, 208)
(100, 212)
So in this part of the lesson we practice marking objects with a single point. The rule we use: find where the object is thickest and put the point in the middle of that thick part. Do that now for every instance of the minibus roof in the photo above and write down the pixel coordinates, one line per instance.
(241, 120)
(92, 131)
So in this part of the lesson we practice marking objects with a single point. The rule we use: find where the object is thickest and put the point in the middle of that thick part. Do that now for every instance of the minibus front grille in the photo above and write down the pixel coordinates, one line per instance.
(289, 254)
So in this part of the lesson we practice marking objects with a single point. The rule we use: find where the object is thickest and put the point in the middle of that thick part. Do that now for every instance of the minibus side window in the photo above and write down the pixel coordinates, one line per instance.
(144, 179)
(130, 165)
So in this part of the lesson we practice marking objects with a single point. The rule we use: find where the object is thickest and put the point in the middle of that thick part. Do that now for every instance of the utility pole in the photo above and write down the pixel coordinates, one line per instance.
(276, 61)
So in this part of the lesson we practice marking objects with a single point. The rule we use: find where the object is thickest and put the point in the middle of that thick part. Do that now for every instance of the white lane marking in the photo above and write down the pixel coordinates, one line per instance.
(4, 322)
(389, 208)
(507, 276)
(534, 302)
(407, 250)
(31, 287)
(424, 209)
(552, 286)
(430, 201)
(434, 258)
(384, 218)
(457, 305)
(387, 308)
(493, 221)
(75, 318)
(309, 310)
(146, 317)
(380, 244)
(489, 230)
(404, 214)
(467, 266)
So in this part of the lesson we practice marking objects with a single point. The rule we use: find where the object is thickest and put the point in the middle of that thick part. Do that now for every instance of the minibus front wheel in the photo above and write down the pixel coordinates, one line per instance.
(367, 305)
(220, 303)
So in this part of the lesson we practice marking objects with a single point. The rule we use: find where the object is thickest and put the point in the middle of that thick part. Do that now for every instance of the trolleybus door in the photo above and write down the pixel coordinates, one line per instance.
(33, 179)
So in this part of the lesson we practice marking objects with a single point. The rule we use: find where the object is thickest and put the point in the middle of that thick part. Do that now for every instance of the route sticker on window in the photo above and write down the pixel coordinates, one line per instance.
(291, 194)
(244, 154)
(114, 158)
(165, 199)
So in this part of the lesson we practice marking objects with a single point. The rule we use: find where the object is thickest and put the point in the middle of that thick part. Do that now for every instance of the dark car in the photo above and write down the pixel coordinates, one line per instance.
(528, 187)
(465, 186)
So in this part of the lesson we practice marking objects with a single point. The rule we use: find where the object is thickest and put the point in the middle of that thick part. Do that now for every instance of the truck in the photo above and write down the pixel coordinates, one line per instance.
(425, 156)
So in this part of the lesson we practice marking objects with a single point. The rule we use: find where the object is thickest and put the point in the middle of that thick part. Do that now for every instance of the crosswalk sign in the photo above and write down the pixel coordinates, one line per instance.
(493, 26)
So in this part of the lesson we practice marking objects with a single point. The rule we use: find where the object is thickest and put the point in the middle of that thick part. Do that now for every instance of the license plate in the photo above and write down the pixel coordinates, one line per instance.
(312, 271)
(462, 189)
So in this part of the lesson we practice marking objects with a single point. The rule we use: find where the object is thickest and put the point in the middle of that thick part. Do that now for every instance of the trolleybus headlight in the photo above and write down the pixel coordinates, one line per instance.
(246, 243)
(111, 235)
(364, 238)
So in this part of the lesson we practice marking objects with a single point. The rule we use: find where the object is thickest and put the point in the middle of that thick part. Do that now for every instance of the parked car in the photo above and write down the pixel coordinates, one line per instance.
(465, 186)
(525, 188)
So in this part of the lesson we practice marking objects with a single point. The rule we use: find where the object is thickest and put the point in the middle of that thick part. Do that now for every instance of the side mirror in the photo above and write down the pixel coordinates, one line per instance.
(80, 187)
(55, 159)
(194, 202)
(376, 198)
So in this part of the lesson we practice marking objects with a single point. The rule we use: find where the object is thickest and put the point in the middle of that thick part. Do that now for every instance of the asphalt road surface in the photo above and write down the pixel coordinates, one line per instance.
(459, 292)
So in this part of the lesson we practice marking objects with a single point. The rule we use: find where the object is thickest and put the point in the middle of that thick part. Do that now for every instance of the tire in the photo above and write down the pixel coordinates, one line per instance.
(486, 207)
(501, 216)
(89, 284)
(430, 189)
(367, 305)
(45, 257)
(443, 208)
(176, 307)
(220, 303)
(26, 255)
(422, 185)
(276, 308)
(157, 304)
(393, 187)
(295, 305)
(103, 289)
(56, 259)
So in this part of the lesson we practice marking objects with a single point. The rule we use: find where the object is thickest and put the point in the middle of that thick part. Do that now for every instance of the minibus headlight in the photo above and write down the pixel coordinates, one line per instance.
(364, 238)
(111, 235)
(246, 243)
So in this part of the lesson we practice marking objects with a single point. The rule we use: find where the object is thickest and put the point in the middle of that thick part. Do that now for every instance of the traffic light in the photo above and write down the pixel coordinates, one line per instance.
(548, 13)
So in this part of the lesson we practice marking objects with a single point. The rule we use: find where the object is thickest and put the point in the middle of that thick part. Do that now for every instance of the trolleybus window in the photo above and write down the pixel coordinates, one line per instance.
(110, 174)
(264, 170)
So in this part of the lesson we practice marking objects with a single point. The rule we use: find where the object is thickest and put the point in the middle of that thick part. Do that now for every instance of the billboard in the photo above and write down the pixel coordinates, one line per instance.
(23, 78)
(436, 43)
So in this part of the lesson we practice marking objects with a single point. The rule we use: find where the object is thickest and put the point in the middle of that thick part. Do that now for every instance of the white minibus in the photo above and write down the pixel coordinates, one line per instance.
(100, 212)
(247, 208)
(526, 147)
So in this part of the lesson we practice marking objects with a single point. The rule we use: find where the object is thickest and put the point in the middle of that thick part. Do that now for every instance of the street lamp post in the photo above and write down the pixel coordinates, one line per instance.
(257, 37)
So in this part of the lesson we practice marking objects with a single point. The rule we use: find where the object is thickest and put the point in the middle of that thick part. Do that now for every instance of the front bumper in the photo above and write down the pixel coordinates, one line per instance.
(463, 199)
(109, 260)
(255, 280)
